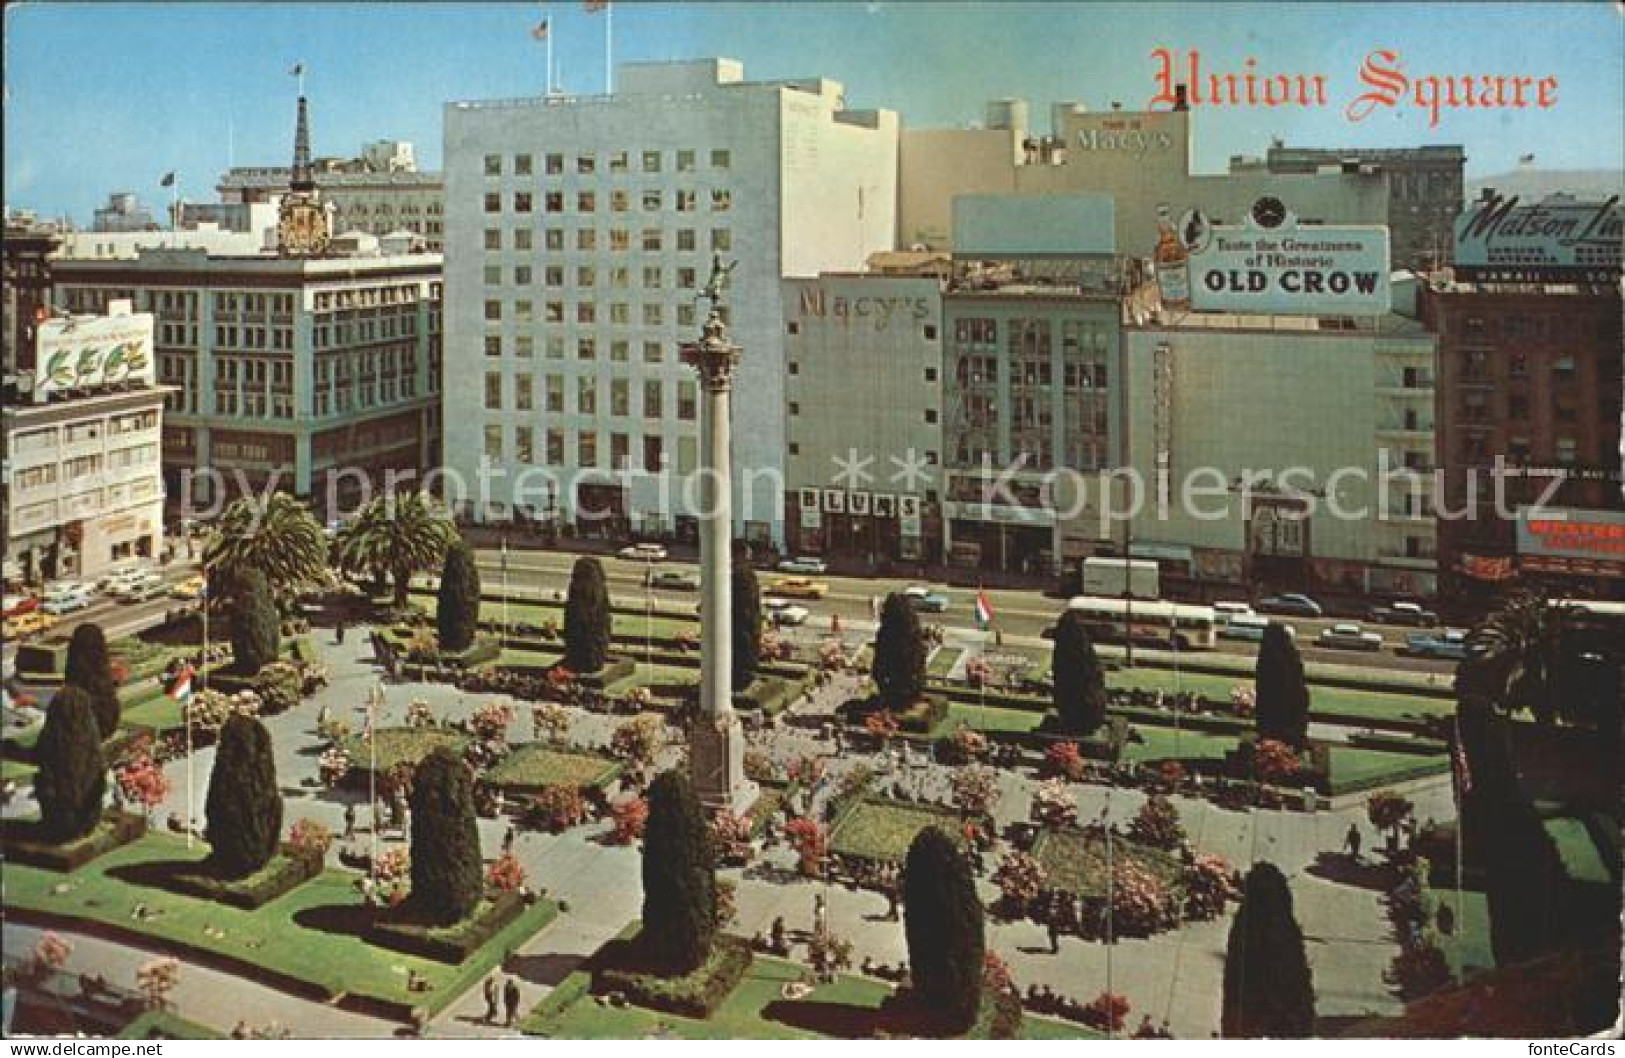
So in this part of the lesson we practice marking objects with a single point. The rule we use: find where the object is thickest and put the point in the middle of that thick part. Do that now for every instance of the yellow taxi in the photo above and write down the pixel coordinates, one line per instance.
(798, 588)
(190, 588)
(28, 624)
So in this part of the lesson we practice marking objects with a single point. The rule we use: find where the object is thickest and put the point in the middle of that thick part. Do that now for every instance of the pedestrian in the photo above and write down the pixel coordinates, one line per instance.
(349, 821)
(492, 990)
(510, 1000)
(339, 633)
(1054, 935)
(1351, 842)
(834, 624)
(507, 840)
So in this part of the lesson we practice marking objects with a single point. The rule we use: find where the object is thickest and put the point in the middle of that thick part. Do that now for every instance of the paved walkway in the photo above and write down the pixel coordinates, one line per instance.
(1175, 975)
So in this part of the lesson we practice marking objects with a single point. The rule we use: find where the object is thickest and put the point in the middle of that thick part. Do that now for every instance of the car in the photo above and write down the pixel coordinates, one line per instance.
(1451, 644)
(1290, 604)
(799, 588)
(1346, 635)
(137, 587)
(643, 552)
(679, 579)
(804, 564)
(66, 598)
(1403, 613)
(783, 612)
(925, 599)
(120, 575)
(1250, 627)
(31, 623)
(1224, 611)
(190, 588)
(140, 589)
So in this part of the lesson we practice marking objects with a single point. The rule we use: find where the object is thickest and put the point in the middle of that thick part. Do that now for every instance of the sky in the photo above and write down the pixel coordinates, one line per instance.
(110, 96)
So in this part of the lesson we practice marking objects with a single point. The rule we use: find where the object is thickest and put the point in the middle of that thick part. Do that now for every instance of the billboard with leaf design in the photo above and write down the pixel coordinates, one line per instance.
(90, 352)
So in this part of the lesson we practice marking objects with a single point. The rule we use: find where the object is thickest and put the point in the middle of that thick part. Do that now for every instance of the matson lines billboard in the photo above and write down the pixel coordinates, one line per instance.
(83, 352)
(1290, 270)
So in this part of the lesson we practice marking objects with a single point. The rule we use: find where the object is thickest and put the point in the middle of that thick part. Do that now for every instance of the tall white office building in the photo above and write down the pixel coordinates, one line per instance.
(579, 232)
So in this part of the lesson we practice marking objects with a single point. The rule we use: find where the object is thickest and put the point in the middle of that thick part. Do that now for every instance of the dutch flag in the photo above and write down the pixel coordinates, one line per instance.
(180, 689)
(984, 611)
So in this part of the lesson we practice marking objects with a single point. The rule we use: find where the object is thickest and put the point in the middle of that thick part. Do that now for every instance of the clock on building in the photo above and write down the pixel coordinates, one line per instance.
(1269, 212)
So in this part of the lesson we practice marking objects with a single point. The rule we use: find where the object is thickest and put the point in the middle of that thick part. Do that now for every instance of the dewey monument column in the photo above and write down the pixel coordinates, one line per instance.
(717, 744)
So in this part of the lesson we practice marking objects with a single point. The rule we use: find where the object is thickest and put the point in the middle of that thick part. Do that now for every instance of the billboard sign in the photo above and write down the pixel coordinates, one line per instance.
(1572, 534)
(1272, 266)
(1559, 239)
(87, 352)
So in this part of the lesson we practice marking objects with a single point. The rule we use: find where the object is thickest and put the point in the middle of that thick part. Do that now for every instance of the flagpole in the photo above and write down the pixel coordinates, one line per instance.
(548, 22)
(372, 770)
(609, 33)
(1457, 766)
(504, 636)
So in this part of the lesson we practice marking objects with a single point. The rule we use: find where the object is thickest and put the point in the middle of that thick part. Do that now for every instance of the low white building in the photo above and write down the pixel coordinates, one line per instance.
(580, 231)
(84, 481)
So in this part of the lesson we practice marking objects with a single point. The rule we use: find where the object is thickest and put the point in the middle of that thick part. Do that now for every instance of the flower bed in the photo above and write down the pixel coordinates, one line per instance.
(624, 968)
(1075, 861)
(883, 830)
(23, 843)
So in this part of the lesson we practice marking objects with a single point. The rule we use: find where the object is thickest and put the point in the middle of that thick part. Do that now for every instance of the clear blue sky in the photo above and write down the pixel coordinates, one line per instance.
(106, 96)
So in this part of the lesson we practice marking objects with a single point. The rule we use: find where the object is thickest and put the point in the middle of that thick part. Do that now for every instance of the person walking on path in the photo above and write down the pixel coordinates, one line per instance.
(491, 993)
(349, 822)
(1054, 935)
(1351, 842)
(338, 635)
(510, 1001)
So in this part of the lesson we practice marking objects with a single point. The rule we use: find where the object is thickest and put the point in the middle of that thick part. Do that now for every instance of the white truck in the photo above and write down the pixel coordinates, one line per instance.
(1111, 577)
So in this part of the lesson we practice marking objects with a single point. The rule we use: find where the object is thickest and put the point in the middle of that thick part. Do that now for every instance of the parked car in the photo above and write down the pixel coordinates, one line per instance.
(1291, 604)
(1250, 627)
(1451, 643)
(643, 552)
(926, 600)
(1224, 611)
(190, 588)
(120, 575)
(66, 598)
(785, 613)
(799, 588)
(138, 587)
(679, 579)
(1403, 613)
(804, 564)
(1347, 635)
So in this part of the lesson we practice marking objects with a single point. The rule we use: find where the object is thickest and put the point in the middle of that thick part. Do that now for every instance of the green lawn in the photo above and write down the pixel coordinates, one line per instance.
(16, 771)
(163, 1025)
(943, 661)
(883, 830)
(537, 764)
(535, 659)
(1582, 860)
(309, 934)
(162, 713)
(848, 1008)
(989, 718)
(1374, 705)
(398, 745)
(623, 626)
(1468, 947)
(1371, 768)
(1163, 743)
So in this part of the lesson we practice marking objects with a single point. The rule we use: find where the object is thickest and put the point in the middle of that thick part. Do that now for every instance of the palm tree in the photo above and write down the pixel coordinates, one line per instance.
(398, 533)
(1517, 652)
(277, 536)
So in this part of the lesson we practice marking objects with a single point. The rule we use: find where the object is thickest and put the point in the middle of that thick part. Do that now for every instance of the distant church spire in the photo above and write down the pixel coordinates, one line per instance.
(302, 179)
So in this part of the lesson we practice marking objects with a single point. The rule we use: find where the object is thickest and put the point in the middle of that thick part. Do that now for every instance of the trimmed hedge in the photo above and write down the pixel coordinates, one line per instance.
(693, 995)
(447, 944)
(23, 846)
(614, 670)
(283, 874)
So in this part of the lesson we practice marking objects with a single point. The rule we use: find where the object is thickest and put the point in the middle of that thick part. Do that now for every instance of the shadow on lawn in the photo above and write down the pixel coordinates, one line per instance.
(546, 970)
(896, 1016)
(159, 874)
(350, 920)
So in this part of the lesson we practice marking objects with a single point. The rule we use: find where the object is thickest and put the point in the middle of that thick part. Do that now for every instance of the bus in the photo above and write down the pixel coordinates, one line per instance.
(1154, 623)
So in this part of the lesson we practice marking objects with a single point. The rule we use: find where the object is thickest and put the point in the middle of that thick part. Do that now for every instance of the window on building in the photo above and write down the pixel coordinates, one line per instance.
(617, 162)
(493, 275)
(930, 374)
(553, 238)
(555, 201)
(652, 408)
(586, 201)
(651, 277)
(586, 348)
(493, 165)
(555, 447)
(652, 314)
(586, 163)
(721, 239)
(587, 239)
(493, 311)
(686, 400)
(722, 200)
(586, 312)
(493, 202)
(587, 449)
(651, 239)
(523, 393)
(493, 238)
(555, 394)
(521, 275)
(721, 159)
(652, 200)
(685, 201)
(586, 276)
(522, 451)
(653, 352)
(493, 390)
(685, 239)
(521, 165)
(653, 453)
(685, 161)
(555, 164)
(618, 201)
(651, 161)
(524, 346)
(493, 442)
(493, 345)
(522, 238)
(586, 395)
(620, 239)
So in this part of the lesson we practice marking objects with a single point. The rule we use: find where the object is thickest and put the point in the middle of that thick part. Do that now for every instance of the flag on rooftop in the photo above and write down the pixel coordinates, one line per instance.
(540, 32)
(168, 180)
(298, 70)
(594, 6)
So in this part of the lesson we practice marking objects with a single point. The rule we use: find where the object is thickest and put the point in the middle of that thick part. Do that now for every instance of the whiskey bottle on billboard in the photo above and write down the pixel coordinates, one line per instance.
(1170, 261)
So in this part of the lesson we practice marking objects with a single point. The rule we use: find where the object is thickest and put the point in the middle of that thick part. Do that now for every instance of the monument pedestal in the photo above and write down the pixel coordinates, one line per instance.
(717, 764)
